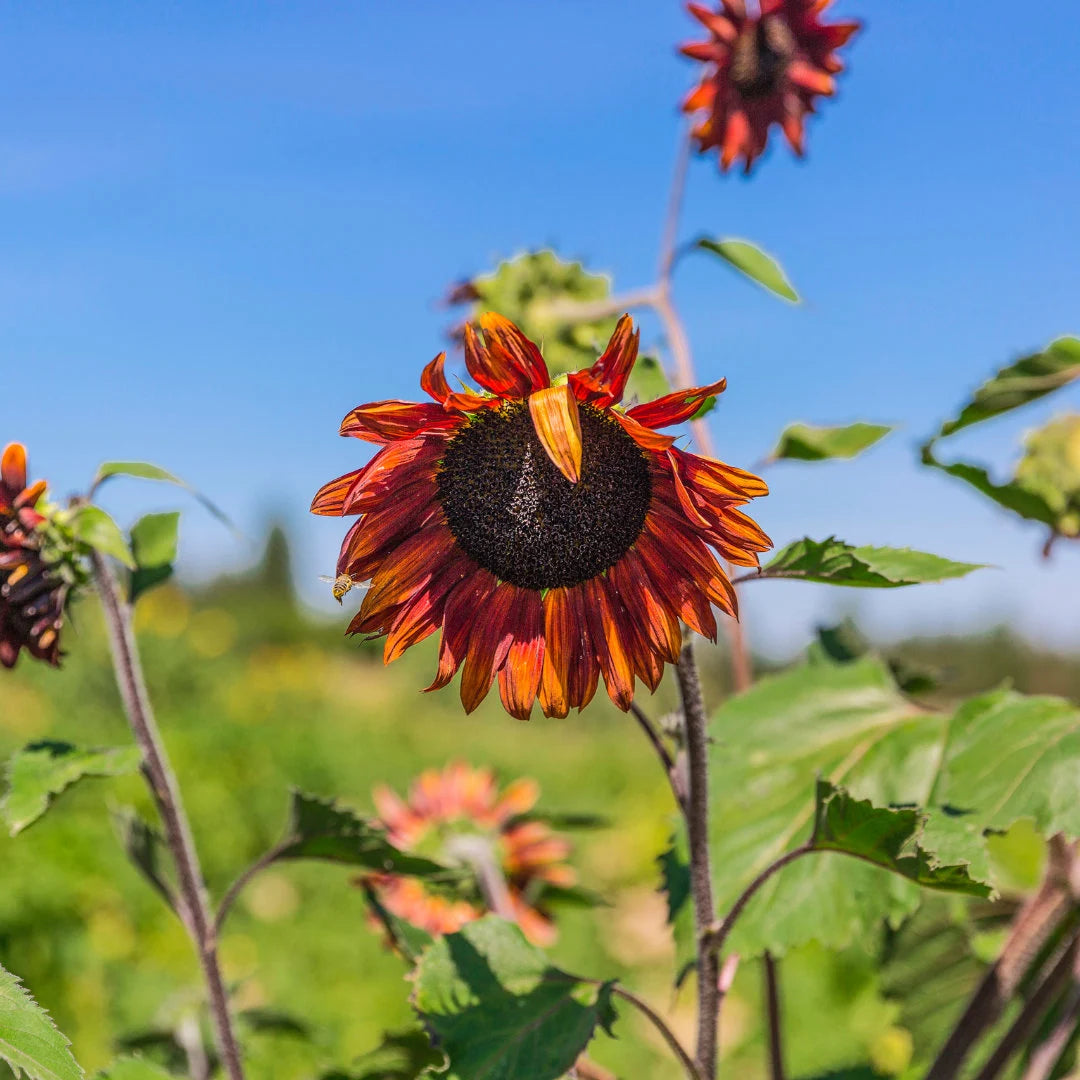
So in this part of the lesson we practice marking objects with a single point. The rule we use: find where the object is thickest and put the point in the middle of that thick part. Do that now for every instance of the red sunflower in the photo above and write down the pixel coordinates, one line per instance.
(762, 70)
(448, 810)
(551, 534)
(32, 595)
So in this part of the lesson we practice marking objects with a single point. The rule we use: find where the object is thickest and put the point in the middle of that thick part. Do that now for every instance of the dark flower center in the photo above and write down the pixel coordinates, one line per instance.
(521, 519)
(760, 57)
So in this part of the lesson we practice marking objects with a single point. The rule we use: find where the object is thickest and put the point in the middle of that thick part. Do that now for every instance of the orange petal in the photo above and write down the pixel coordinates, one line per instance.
(559, 632)
(557, 424)
(519, 677)
(610, 647)
(489, 641)
(810, 78)
(683, 597)
(506, 362)
(423, 615)
(714, 478)
(330, 498)
(645, 437)
(723, 28)
(660, 626)
(387, 421)
(708, 52)
(520, 795)
(686, 502)
(433, 382)
(701, 97)
(30, 496)
(604, 383)
(409, 567)
(677, 407)
(736, 138)
(13, 468)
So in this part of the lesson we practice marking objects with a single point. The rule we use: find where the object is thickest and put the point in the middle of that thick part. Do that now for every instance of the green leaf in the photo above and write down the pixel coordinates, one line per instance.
(43, 770)
(142, 470)
(832, 562)
(402, 1055)
(1029, 379)
(1014, 495)
(674, 863)
(498, 1008)
(145, 847)
(1003, 757)
(319, 829)
(408, 940)
(153, 545)
(274, 1022)
(885, 837)
(96, 529)
(802, 442)
(134, 1068)
(754, 264)
(29, 1042)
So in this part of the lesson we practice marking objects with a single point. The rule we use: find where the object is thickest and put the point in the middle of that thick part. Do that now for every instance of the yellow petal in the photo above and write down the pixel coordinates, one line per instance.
(555, 417)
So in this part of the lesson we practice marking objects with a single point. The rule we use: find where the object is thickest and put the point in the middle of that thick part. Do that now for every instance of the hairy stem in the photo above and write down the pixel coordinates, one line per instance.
(772, 1008)
(669, 1036)
(195, 909)
(1040, 916)
(697, 822)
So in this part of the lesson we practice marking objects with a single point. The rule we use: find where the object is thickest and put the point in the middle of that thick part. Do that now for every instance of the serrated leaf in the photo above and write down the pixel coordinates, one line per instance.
(153, 544)
(885, 837)
(40, 772)
(832, 562)
(319, 829)
(29, 1041)
(1001, 758)
(753, 263)
(803, 442)
(402, 1055)
(134, 1068)
(674, 863)
(1029, 379)
(96, 529)
(499, 1010)
(145, 847)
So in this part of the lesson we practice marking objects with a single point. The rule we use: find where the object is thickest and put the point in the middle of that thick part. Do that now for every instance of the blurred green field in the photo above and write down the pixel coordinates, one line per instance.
(255, 697)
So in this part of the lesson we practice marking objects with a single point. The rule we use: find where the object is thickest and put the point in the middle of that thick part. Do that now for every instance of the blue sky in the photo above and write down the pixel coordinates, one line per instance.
(225, 225)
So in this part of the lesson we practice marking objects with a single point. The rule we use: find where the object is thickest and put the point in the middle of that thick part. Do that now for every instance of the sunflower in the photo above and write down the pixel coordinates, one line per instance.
(448, 810)
(31, 595)
(553, 535)
(762, 70)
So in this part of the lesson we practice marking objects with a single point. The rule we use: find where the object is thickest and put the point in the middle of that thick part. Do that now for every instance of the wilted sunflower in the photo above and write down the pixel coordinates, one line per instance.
(763, 69)
(31, 594)
(553, 535)
(446, 811)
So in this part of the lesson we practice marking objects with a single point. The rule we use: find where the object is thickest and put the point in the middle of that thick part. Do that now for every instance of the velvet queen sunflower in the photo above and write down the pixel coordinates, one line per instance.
(761, 69)
(32, 591)
(552, 534)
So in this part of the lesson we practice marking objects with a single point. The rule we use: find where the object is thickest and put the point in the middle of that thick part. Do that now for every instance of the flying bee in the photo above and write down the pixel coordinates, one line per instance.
(341, 586)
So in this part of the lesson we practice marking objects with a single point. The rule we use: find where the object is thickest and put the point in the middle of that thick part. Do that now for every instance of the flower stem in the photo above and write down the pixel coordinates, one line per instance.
(697, 822)
(668, 1035)
(195, 905)
(772, 1006)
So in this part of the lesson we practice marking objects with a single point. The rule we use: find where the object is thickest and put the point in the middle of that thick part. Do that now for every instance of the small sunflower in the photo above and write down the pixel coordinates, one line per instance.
(763, 69)
(553, 535)
(32, 595)
(445, 811)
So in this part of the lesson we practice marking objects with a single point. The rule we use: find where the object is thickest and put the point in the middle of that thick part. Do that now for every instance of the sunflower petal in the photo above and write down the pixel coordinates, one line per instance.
(610, 647)
(388, 421)
(489, 641)
(677, 407)
(645, 437)
(330, 499)
(433, 382)
(507, 363)
(463, 605)
(603, 383)
(557, 424)
(519, 677)
(559, 633)
(13, 468)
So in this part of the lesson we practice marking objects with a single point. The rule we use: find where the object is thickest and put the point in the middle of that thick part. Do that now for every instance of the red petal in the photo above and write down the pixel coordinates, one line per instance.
(408, 568)
(680, 595)
(422, 616)
(708, 52)
(388, 421)
(463, 605)
(717, 24)
(489, 641)
(330, 498)
(507, 363)
(433, 382)
(645, 437)
(659, 624)
(809, 78)
(519, 677)
(392, 469)
(610, 647)
(736, 138)
(713, 479)
(604, 383)
(677, 407)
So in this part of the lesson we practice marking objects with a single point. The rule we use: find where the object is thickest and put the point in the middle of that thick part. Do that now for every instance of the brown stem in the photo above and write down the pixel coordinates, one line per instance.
(1055, 977)
(1045, 1057)
(697, 822)
(670, 767)
(772, 1006)
(1039, 917)
(657, 1021)
(195, 911)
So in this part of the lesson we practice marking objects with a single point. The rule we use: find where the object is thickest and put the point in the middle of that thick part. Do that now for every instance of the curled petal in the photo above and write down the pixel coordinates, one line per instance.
(604, 382)
(557, 424)
(433, 382)
(506, 362)
(645, 437)
(677, 407)
(388, 421)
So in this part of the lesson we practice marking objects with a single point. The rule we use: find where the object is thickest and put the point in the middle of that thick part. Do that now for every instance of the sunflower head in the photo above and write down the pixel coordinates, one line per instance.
(33, 586)
(761, 69)
(458, 810)
(552, 534)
